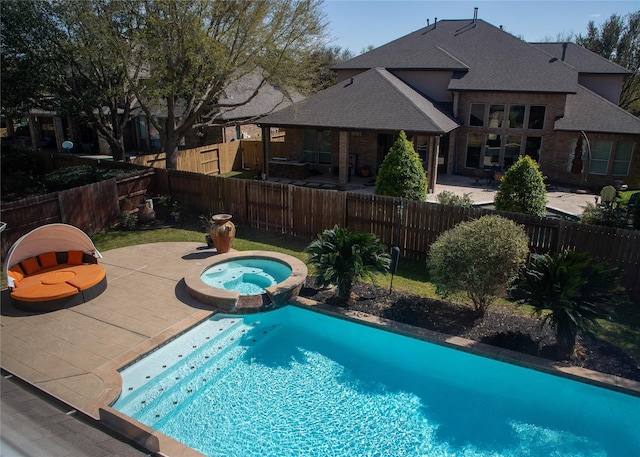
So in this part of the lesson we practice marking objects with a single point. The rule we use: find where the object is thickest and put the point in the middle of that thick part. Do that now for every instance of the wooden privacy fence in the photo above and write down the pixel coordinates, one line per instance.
(91, 208)
(213, 159)
(306, 212)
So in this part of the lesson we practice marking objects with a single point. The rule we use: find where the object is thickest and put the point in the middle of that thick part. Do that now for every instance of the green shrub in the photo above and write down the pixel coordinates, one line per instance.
(81, 175)
(340, 257)
(448, 198)
(609, 215)
(479, 258)
(571, 292)
(401, 174)
(126, 221)
(20, 177)
(522, 189)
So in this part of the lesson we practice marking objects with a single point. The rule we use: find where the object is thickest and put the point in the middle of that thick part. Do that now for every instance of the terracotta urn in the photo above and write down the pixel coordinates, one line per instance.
(222, 232)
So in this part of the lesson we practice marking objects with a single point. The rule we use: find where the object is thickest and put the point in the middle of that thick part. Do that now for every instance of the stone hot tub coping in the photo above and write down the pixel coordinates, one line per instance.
(231, 301)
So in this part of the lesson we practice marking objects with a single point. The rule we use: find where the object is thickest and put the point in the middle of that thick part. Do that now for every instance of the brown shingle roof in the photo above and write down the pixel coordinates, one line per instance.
(373, 100)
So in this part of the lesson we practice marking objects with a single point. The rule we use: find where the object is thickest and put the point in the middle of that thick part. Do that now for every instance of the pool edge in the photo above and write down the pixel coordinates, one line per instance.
(596, 378)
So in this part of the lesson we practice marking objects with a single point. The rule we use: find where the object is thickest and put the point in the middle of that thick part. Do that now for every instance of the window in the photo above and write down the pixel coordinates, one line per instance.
(622, 158)
(492, 150)
(316, 146)
(532, 147)
(516, 116)
(512, 150)
(474, 147)
(309, 139)
(536, 117)
(496, 116)
(476, 115)
(324, 147)
(600, 153)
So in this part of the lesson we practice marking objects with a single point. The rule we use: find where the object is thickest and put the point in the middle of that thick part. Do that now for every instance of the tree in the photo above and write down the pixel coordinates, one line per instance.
(401, 173)
(77, 61)
(479, 258)
(28, 34)
(102, 62)
(571, 292)
(323, 60)
(522, 189)
(196, 49)
(342, 257)
(618, 40)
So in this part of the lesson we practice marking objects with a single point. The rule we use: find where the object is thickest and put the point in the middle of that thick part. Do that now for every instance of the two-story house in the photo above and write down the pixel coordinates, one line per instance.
(471, 97)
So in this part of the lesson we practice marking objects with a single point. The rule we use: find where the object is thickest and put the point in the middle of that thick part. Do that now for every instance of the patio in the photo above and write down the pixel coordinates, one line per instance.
(480, 191)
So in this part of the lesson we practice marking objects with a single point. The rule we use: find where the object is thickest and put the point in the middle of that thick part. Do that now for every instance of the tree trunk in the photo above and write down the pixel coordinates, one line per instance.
(171, 150)
(117, 151)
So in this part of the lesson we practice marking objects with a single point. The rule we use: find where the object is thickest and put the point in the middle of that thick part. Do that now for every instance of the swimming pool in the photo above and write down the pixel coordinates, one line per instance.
(295, 382)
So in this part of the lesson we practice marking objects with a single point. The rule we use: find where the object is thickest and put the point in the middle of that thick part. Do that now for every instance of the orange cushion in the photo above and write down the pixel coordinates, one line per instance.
(85, 275)
(17, 277)
(30, 265)
(43, 293)
(74, 257)
(48, 260)
(16, 273)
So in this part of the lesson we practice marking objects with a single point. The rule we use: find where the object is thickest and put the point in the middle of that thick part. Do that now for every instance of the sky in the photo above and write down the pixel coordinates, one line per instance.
(357, 24)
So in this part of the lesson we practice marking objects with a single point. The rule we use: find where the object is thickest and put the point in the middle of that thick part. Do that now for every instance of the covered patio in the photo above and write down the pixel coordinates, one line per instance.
(364, 115)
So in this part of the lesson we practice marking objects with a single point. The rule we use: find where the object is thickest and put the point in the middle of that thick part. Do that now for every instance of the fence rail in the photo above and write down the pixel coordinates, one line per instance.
(306, 212)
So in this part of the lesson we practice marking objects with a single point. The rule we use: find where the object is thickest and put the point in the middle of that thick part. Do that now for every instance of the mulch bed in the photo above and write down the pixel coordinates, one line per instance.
(499, 327)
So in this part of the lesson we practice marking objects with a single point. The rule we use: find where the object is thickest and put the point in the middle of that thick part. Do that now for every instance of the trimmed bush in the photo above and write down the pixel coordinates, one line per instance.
(480, 258)
(522, 189)
(401, 174)
(448, 198)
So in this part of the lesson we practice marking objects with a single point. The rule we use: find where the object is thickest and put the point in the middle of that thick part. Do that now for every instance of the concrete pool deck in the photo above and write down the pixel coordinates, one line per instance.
(72, 354)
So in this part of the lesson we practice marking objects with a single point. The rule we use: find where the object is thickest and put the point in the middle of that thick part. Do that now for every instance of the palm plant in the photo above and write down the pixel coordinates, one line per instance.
(341, 257)
(571, 292)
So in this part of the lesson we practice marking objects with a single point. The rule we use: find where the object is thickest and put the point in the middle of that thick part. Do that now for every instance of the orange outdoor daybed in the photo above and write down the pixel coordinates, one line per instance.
(52, 267)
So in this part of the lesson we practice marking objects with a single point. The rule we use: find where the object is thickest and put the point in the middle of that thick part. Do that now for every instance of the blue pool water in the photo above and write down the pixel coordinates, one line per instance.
(294, 382)
(249, 276)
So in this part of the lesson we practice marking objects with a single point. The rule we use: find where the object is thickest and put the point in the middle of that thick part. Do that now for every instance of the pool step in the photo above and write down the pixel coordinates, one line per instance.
(168, 361)
(153, 399)
(180, 395)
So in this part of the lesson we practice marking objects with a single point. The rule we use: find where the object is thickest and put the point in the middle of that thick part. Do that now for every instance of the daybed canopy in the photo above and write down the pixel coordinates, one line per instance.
(48, 238)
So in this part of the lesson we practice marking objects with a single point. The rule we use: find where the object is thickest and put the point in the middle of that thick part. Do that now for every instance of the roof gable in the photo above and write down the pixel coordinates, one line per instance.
(373, 100)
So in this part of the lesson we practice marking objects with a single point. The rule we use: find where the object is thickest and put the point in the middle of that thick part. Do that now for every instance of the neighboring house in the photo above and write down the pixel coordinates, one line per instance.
(471, 97)
(48, 130)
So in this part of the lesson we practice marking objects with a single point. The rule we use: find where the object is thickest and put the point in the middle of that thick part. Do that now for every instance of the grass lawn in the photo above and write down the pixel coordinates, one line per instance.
(412, 277)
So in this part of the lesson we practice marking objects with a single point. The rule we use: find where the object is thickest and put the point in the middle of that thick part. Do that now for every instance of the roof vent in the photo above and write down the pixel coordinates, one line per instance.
(475, 16)
(427, 22)
(435, 22)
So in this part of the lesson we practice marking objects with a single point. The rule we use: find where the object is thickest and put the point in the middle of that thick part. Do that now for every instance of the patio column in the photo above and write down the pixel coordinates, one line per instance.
(34, 130)
(432, 173)
(59, 132)
(343, 160)
(266, 151)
